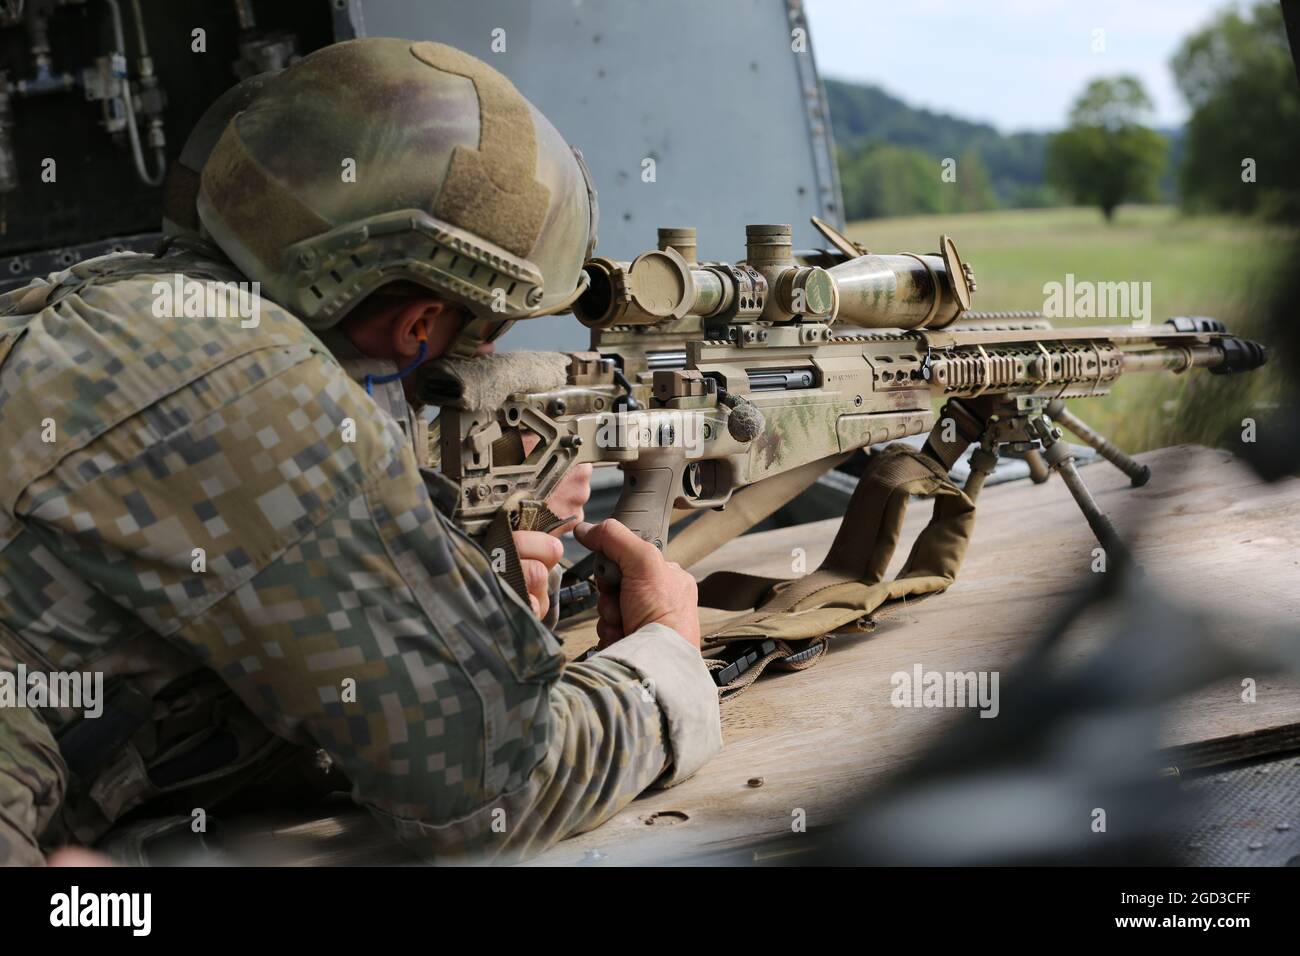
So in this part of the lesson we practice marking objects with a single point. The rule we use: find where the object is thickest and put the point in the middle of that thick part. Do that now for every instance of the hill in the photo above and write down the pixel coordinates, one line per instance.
(866, 116)
(890, 151)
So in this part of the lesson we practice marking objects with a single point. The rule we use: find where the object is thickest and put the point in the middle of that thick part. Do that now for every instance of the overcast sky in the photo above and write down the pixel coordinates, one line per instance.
(1016, 64)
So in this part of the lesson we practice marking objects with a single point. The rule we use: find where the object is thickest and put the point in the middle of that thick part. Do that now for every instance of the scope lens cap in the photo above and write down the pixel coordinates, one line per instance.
(956, 271)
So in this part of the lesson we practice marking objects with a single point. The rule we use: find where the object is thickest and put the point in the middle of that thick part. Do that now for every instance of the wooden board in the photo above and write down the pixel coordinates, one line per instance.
(1206, 530)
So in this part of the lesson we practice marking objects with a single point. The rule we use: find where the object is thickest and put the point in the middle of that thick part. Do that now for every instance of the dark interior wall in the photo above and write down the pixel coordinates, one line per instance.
(97, 193)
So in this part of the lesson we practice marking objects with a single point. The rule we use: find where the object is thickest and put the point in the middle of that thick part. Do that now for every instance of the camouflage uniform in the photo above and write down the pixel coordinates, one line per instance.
(241, 540)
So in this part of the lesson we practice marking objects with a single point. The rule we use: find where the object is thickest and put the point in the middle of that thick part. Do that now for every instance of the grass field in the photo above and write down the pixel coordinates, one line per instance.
(1214, 266)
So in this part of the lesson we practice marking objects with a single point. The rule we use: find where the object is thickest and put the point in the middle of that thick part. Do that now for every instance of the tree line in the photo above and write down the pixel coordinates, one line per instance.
(1239, 151)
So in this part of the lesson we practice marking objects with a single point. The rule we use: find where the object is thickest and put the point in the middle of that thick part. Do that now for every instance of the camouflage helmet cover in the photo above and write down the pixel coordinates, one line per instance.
(381, 160)
(181, 188)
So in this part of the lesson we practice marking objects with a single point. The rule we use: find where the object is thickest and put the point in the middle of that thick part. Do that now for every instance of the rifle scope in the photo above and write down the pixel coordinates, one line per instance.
(667, 284)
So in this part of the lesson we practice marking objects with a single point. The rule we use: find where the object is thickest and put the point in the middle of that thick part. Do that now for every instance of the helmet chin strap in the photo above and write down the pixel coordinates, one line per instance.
(422, 335)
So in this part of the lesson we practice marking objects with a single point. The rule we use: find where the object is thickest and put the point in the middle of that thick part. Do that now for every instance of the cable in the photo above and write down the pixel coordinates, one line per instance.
(137, 153)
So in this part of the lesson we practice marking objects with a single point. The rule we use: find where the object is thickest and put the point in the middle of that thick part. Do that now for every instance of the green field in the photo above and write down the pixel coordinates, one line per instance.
(1216, 266)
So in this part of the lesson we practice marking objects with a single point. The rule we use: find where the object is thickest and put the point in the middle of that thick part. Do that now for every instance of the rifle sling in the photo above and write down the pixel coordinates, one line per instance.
(848, 588)
(746, 508)
(518, 514)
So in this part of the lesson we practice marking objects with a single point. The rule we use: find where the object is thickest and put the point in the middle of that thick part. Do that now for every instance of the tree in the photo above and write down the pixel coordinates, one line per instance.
(1106, 156)
(885, 180)
(863, 116)
(888, 180)
(974, 191)
(1243, 137)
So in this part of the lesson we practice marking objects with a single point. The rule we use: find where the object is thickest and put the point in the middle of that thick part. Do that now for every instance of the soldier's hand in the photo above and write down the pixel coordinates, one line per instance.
(652, 590)
(538, 553)
(77, 856)
(569, 497)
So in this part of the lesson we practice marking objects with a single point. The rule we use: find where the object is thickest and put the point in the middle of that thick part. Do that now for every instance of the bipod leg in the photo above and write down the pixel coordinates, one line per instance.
(1038, 470)
(1061, 460)
(1137, 473)
(982, 462)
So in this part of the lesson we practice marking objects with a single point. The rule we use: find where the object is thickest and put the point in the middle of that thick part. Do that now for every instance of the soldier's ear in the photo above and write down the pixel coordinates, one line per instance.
(424, 319)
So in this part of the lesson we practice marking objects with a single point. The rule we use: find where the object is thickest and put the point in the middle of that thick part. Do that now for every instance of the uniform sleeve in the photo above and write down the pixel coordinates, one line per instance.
(33, 779)
(275, 525)
(670, 669)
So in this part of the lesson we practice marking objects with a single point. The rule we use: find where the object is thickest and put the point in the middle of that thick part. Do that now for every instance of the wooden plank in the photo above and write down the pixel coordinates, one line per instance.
(1206, 530)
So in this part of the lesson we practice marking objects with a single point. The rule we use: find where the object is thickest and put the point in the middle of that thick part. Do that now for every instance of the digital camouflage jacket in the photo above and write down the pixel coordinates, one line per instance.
(222, 523)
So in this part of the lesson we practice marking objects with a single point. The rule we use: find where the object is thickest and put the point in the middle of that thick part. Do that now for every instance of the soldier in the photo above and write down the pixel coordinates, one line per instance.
(208, 511)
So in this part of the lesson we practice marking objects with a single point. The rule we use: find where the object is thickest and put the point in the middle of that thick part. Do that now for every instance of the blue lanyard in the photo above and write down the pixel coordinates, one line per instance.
(372, 380)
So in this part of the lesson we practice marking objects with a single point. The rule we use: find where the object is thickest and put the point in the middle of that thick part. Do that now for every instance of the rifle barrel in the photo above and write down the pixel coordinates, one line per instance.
(1177, 359)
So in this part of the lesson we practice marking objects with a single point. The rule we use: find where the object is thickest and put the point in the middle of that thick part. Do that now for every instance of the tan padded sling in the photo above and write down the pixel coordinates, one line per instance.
(799, 614)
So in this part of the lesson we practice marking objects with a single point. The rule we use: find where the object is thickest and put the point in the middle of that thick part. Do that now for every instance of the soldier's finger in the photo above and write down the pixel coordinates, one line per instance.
(537, 579)
(607, 634)
(536, 576)
(77, 856)
(620, 544)
(538, 546)
(608, 609)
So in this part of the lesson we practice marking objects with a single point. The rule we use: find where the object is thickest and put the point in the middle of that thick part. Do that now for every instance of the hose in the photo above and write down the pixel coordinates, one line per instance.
(133, 133)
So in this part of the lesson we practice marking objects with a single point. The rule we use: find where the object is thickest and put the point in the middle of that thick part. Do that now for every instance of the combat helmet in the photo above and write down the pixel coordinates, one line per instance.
(181, 188)
(377, 161)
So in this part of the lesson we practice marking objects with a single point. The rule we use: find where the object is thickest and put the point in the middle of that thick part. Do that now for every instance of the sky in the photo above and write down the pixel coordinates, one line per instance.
(1015, 64)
